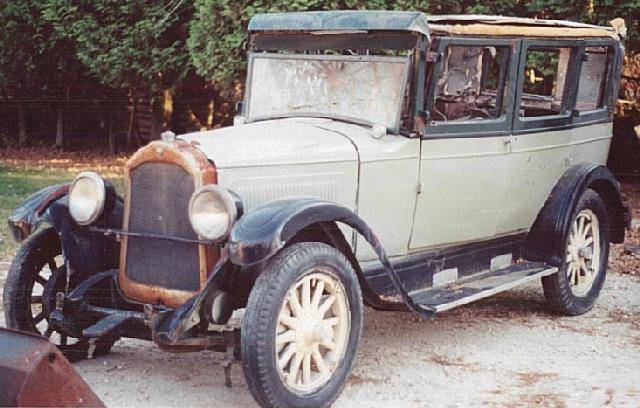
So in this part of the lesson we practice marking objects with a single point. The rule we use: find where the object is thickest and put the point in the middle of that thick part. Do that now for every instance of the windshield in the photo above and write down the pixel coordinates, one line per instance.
(367, 89)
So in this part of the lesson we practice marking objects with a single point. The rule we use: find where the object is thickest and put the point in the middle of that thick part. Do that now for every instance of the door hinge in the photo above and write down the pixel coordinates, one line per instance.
(420, 188)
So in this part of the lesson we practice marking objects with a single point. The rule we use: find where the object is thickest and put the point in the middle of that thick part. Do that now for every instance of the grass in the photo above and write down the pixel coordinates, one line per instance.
(16, 184)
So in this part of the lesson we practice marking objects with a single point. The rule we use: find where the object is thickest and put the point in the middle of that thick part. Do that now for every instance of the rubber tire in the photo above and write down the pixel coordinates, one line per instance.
(260, 319)
(27, 263)
(557, 289)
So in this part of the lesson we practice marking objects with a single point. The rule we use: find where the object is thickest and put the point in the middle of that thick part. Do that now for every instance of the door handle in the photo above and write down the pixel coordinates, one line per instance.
(507, 145)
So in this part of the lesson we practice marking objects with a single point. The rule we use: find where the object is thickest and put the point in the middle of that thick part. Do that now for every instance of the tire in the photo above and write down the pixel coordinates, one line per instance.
(576, 287)
(40, 262)
(319, 273)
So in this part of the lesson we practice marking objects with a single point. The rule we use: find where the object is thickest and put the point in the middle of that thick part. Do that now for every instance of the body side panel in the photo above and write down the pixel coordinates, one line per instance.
(462, 190)
(537, 162)
(336, 182)
(388, 187)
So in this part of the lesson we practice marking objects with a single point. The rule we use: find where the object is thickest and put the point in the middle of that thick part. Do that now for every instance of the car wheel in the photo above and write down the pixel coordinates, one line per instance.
(576, 287)
(37, 273)
(301, 327)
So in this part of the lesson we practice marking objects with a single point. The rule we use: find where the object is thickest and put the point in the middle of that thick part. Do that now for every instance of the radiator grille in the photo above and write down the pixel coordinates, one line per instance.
(160, 194)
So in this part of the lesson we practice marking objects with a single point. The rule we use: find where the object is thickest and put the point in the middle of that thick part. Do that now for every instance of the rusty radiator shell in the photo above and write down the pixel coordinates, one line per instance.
(196, 164)
(33, 373)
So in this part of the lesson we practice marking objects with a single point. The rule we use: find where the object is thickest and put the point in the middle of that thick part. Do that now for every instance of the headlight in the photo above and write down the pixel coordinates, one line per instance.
(212, 212)
(87, 197)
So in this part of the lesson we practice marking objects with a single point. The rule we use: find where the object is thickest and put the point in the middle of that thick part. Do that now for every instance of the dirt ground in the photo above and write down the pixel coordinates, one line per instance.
(505, 351)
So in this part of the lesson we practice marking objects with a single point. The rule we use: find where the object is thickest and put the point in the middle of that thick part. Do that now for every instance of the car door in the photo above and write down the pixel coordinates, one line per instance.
(564, 96)
(464, 154)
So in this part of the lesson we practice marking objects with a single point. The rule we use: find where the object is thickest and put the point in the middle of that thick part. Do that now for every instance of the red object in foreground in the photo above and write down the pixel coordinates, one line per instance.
(33, 373)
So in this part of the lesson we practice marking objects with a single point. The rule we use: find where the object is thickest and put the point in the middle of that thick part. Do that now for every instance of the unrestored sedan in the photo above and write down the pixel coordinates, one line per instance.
(388, 159)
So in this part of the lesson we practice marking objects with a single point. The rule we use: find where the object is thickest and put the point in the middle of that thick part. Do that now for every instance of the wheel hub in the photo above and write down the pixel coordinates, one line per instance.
(311, 332)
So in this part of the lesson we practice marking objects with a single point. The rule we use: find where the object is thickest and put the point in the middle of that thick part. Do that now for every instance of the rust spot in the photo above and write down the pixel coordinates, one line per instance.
(529, 379)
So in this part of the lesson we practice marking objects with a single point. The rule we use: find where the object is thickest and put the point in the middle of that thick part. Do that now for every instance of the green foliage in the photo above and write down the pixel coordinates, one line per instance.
(127, 43)
(545, 66)
(17, 27)
(46, 46)
(32, 57)
(598, 12)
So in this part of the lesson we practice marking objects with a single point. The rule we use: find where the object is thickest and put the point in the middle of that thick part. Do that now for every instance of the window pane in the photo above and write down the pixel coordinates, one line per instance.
(349, 86)
(592, 79)
(471, 84)
(545, 74)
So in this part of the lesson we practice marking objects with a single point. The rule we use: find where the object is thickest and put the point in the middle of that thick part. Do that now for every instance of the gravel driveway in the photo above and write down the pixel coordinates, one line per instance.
(509, 350)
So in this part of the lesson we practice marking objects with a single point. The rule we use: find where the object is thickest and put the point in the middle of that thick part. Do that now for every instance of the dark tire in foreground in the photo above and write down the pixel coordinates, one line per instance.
(37, 273)
(576, 287)
(301, 327)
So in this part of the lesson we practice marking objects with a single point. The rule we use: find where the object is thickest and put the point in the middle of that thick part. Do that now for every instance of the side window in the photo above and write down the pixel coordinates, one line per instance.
(545, 75)
(593, 79)
(471, 84)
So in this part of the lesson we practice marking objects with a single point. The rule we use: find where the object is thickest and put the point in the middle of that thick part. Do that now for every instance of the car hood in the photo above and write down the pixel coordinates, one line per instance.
(276, 142)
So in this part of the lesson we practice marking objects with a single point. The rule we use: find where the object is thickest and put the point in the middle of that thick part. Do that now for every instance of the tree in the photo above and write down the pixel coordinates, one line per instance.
(137, 45)
(35, 64)
(17, 62)
(599, 12)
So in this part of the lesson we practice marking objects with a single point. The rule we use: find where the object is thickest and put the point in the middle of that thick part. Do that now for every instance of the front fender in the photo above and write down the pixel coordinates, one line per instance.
(26, 218)
(86, 252)
(267, 229)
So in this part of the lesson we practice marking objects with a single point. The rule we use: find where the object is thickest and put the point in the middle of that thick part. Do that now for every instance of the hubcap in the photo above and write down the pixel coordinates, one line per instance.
(583, 252)
(312, 331)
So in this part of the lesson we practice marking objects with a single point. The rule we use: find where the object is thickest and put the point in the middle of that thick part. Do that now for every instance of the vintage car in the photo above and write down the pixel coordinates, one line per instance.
(389, 159)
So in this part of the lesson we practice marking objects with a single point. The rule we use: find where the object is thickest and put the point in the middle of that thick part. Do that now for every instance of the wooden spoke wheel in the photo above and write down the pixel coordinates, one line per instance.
(312, 331)
(301, 327)
(577, 285)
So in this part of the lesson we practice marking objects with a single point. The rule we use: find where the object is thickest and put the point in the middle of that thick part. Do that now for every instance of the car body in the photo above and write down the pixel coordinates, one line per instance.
(421, 162)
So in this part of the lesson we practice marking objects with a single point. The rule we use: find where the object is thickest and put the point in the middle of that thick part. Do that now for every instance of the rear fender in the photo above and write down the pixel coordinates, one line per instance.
(548, 234)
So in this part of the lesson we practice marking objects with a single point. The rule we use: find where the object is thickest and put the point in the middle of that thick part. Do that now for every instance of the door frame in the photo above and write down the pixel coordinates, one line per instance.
(484, 128)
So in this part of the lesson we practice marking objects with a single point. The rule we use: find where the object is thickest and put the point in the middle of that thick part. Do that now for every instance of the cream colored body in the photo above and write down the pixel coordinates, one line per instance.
(414, 194)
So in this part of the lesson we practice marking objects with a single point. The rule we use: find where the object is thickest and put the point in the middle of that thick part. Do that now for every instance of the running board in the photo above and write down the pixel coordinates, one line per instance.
(480, 286)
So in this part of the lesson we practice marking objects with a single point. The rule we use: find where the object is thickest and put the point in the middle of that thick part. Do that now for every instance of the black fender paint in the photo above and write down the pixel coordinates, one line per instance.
(26, 217)
(547, 238)
(86, 252)
(264, 231)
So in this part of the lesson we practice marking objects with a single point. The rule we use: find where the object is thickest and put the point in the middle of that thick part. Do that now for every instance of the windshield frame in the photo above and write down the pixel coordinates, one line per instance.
(406, 60)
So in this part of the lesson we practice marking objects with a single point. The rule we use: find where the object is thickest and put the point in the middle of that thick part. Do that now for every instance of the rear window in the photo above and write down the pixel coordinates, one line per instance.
(592, 83)
(545, 75)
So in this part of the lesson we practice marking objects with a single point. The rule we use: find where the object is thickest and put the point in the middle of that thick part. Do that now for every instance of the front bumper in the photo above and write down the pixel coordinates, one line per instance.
(83, 314)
